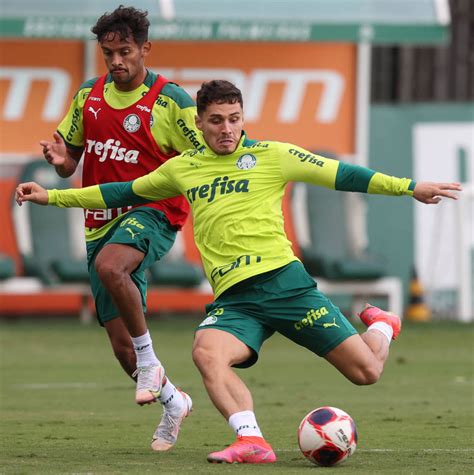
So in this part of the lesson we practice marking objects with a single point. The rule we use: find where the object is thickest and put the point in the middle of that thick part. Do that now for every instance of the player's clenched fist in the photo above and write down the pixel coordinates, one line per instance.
(31, 192)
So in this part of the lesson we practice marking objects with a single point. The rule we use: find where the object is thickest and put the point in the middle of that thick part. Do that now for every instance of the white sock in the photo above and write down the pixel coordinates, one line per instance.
(171, 399)
(143, 347)
(245, 423)
(383, 328)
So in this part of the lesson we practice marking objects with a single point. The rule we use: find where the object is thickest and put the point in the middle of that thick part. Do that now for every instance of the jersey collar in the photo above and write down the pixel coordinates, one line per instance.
(244, 142)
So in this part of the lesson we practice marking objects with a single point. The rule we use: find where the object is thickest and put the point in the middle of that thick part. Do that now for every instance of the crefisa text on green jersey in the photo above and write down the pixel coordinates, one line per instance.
(303, 156)
(220, 186)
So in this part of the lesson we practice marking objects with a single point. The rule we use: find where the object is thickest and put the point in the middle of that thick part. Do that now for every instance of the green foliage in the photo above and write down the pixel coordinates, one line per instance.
(66, 406)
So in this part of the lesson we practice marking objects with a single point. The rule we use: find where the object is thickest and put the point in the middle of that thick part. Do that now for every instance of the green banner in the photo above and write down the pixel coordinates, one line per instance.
(75, 27)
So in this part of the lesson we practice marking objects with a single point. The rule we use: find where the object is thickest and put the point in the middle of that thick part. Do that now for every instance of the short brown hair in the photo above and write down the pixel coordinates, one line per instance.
(217, 91)
(124, 21)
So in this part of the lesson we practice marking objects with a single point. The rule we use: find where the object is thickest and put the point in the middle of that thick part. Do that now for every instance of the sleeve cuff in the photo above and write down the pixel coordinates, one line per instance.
(411, 188)
(52, 196)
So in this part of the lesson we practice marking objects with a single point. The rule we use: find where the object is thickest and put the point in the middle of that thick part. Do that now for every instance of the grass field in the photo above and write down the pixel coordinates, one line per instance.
(66, 406)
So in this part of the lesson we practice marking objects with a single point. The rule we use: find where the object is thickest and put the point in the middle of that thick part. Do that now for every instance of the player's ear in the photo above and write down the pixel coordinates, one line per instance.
(146, 48)
(198, 121)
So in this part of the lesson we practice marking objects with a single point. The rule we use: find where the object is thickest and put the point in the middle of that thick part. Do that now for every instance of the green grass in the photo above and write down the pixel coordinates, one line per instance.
(66, 406)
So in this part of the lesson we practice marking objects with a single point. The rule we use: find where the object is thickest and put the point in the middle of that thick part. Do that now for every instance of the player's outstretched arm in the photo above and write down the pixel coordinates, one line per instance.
(152, 187)
(57, 154)
(31, 192)
(107, 195)
(432, 193)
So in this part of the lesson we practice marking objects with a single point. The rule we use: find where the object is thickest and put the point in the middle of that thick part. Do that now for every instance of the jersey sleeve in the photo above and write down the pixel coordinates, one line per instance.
(298, 164)
(155, 186)
(174, 126)
(71, 128)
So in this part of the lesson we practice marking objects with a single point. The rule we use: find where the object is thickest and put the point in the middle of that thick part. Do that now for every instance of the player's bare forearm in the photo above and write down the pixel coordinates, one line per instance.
(432, 193)
(66, 169)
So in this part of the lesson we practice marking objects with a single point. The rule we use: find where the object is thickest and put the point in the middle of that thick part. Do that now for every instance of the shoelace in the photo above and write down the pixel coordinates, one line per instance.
(167, 427)
(144, 376)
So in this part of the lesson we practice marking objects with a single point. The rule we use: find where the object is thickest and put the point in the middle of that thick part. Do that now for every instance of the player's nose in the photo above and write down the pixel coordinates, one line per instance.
(116, 60)
(226, 127)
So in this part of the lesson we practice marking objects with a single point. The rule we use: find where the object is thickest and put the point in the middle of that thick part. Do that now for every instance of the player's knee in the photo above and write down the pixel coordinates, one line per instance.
(207, 360)
(204, 358)
(107, 270)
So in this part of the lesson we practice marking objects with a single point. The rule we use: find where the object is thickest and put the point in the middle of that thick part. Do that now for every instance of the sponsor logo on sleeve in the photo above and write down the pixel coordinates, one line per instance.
(306, 157)
(74, 124)
(190, 134)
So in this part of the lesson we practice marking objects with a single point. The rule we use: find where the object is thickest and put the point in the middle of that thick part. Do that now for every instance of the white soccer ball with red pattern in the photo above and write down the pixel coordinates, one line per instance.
(327, 436)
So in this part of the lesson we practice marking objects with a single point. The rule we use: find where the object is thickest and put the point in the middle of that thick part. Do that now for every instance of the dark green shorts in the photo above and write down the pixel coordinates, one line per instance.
(286, 301)
(145, 229)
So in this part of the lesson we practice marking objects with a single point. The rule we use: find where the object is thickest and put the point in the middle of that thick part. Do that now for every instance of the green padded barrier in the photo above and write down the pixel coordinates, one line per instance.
(176, 273)
(50, 257)
(7, 267)
(329, 253)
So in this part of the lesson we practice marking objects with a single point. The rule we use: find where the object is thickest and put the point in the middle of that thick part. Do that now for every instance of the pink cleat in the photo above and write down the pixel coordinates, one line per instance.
(149, 382)
(245, 449)
(372, 314)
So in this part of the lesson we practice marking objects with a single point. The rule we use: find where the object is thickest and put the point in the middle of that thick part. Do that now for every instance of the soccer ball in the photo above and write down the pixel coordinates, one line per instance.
(327, 436)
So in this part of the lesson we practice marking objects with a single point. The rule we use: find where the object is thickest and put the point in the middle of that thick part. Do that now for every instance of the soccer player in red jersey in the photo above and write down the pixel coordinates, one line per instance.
(126, 124)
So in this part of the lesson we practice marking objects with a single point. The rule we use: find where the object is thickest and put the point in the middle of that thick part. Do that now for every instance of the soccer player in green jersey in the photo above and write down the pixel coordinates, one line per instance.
(125, 124)
(235, 188)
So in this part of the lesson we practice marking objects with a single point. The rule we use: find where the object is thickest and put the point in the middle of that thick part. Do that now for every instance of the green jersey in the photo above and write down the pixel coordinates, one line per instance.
(236, 200)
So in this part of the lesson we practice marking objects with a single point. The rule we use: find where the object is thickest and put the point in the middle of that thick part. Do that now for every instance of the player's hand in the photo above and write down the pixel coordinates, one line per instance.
(432, 193)
(54, 152)
(31, 192)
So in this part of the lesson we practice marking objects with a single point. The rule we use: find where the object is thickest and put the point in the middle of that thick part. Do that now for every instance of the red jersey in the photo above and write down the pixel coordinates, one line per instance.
(119, 146)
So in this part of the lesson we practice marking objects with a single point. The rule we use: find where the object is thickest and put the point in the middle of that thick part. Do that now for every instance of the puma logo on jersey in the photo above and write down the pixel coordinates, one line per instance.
(333, 324)
(132, 233)
(95, 112)
(111, 149)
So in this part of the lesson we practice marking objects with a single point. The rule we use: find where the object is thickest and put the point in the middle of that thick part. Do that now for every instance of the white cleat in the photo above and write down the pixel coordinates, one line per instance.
(166, 434)
(149, 382)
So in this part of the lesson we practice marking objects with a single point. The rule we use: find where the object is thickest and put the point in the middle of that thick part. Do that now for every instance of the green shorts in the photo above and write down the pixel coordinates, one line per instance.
(145, 229)
(286, 301)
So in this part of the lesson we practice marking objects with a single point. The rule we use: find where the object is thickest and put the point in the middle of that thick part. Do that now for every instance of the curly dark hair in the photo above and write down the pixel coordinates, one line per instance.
(124, 21)
(217, 91)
